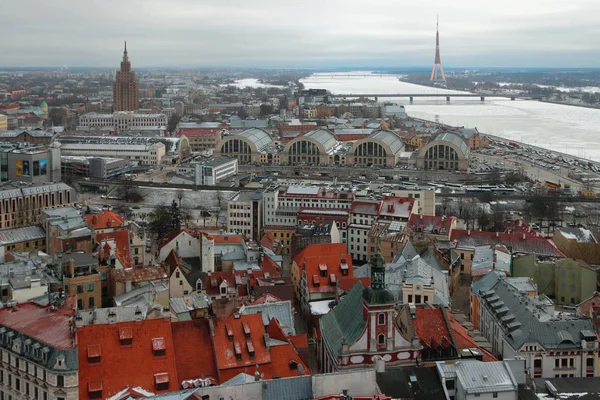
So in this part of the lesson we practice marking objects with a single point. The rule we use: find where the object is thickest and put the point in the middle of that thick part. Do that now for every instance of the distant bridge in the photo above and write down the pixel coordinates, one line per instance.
(332, 76)
(411, 96)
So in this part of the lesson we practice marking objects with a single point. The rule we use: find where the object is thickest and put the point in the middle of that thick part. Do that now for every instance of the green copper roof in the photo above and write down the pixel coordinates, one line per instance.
(378, 296)
(345, 321)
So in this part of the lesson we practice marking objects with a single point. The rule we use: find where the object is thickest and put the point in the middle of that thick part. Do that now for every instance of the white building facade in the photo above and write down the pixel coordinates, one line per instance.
(142, 154)
(122, 120)
(553, 344)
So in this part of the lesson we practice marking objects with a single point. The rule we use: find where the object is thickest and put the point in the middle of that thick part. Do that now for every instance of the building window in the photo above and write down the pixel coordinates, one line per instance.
(90, 287)
(381, 319)
(60, 381)
(410, 300)
(450, 384)
(495, 395)
(91, 302)
(381, 339)
(79, 288)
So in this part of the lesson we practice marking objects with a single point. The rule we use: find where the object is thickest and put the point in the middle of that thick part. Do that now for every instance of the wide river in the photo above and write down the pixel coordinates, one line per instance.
(567, 129)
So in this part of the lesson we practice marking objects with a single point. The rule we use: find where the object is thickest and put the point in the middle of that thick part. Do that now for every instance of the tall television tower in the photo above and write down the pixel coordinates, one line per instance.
(437, 72)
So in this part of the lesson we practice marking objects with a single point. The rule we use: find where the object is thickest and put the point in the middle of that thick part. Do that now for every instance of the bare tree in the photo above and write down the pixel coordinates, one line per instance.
(221, 199)
(180, 195)
(470, 213)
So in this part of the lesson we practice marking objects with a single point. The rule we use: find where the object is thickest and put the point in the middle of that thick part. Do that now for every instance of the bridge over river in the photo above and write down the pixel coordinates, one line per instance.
(412, 96)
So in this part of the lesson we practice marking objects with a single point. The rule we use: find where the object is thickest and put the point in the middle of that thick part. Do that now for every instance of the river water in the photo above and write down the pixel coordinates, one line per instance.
(567, 129)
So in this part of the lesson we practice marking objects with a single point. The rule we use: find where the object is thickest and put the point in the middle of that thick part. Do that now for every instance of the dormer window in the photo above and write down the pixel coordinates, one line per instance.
(316, 281)
(159, 347)
(250, 348)
(229, 332)
(45, 352)
(126, 336)
(323, 270)
(238, 351)
(332, 279)
(95, 390)
(161, 381)
(344, 268)
(247, 330)
(94, 353)
(293, 364)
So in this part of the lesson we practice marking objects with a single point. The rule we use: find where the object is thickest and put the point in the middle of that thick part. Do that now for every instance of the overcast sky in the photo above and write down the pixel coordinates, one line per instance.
(300, 33)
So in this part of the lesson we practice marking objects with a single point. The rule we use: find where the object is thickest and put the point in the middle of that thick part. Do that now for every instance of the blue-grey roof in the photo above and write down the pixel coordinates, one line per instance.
(394, 142)
(239, 379)
(280, 310)
(408, 267)
(453, 138)
(248, 123)
(531, 319)
(296, 388)
(486, 283)
(18, 235)
(483, 377)
(259, 137)
(323, 136)
(187, 303)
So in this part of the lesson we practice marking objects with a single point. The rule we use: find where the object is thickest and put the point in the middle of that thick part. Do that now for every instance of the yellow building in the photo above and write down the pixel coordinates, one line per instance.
(82, 279)
(3, 122)
(284, 234)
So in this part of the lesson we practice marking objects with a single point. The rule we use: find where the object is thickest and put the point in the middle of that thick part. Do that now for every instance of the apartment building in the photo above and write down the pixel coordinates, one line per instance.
(244, 214)
(282, 204)
(39, 356)
(517, 324)
(23, 204)
(364, 213)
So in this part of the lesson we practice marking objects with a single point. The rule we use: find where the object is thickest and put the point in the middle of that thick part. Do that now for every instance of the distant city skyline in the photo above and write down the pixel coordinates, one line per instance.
(278, 34)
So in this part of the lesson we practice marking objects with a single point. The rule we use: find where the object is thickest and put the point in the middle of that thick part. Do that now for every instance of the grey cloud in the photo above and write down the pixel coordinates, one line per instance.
(303, 34)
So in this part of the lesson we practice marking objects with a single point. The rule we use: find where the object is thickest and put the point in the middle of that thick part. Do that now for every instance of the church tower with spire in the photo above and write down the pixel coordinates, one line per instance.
(126, 95)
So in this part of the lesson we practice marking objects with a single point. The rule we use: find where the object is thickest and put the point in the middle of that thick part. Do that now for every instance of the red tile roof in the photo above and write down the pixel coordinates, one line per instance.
(323, 264)
(126, 365)
(38, 322)
(275, 331)
(194, 354)
(214, 279)
(396, 207)
(437, 224)
(316, 250)
(237, 351)
(264, 299)
(137, 275)
(430, 326)
(107, 219)
(121, 238)
(269, 241)
(172, 261)
(345, 284)
(519, 226)
(519, 242)
(286, 362)
(299, 341)
(228, 238)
